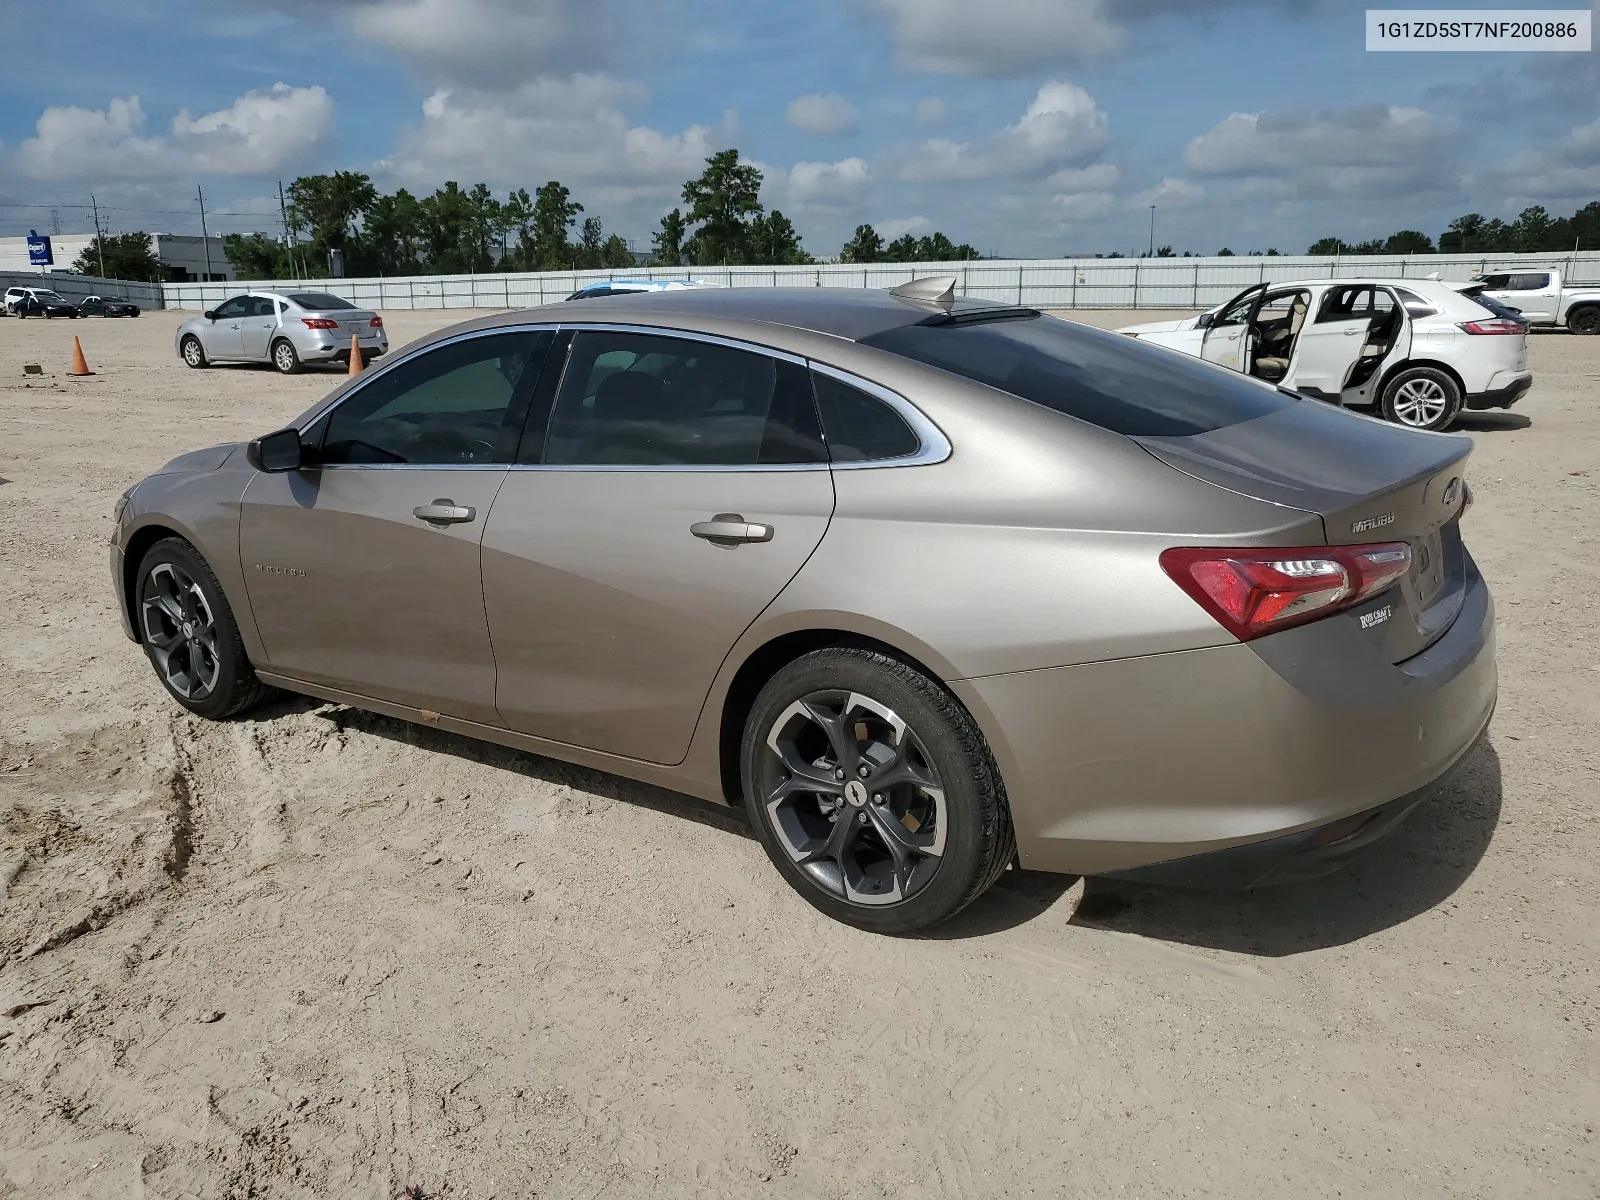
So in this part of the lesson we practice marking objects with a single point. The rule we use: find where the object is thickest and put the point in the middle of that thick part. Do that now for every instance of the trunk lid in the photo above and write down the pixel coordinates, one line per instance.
(1369, 482)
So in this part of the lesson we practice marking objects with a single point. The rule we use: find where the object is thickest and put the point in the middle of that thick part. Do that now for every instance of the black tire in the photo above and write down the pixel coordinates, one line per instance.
(1421, 398)
(194, 354)
(961, 827)
(285, 358)
(189, 633)
(1585, 320)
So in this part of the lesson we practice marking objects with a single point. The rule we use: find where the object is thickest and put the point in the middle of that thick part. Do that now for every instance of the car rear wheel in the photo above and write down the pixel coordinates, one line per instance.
(1584, 320)
(1421, 398)
(189, 633)
(284, 357)
(193, 352)
(873, 791)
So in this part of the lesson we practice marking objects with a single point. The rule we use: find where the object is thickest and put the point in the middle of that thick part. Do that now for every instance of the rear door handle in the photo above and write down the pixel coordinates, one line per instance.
(729, 529)
(444, 512)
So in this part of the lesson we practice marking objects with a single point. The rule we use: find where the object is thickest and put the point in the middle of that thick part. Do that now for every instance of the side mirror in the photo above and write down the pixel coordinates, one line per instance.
(1204, 320)
(276, 452)
(210, 314)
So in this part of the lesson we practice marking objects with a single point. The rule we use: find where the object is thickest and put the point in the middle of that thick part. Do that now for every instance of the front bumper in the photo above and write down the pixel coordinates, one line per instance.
(1114, 766)
(1505, 389)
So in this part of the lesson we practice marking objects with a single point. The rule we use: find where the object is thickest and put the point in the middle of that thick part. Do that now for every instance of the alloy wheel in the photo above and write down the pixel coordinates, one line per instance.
(181, 632)
(854, 798)
(191, 352)
(1420, 403)
(284, 354)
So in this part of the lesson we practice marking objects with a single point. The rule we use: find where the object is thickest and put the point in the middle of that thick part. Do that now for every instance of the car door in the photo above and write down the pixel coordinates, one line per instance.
(1388, 343)
(1227, 339)
(1331, 343)
(363, 567)
(221, 335)
(257, 327)
(676, 488)
(1530, 292)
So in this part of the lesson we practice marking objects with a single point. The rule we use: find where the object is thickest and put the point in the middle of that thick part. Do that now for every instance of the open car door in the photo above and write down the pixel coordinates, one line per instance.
(1332, 341)
(1227, 340)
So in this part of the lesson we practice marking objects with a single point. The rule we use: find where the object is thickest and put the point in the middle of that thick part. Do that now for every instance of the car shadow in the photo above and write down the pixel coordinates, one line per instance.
(1412, 870)
(1490, 422)
(521, 762)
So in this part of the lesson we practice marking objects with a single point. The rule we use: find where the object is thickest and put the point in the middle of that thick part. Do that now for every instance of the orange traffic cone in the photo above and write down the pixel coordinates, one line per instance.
(79, 366)
(355, 355)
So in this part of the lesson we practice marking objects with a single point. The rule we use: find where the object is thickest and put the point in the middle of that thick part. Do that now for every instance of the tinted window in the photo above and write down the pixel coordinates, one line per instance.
(632, 399)
(236, 307)
(1238, 312)
(1415, 304)
(1104, 378)
(320, 301)
(1504, 311)
(444, 406)
(1496, 283)
(1537, 281)
(262, 306)
(860, 427)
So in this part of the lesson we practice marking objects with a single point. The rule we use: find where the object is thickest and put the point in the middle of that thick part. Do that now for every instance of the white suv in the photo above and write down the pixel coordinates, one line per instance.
(1415, 349)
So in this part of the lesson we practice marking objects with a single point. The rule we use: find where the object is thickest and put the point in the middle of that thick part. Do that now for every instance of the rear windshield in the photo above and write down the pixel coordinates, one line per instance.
(1107, 379)
(320, 301)
(1498, 309)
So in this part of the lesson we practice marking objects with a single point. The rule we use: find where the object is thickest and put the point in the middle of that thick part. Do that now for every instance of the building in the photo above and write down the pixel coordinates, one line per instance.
(183, 255)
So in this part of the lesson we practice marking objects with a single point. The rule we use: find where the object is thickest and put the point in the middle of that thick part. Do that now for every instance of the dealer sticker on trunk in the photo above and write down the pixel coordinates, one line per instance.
(1377, 616)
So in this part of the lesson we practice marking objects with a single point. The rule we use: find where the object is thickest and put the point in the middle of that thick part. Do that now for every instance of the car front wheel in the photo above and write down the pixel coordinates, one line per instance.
(873, 791)
(193, 352)
(190, 636)
(1421, 398)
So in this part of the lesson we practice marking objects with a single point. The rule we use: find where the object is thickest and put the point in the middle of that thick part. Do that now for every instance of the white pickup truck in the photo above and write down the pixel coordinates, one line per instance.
(1545, 299)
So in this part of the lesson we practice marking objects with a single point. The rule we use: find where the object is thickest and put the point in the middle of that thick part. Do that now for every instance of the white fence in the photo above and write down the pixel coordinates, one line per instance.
(1182, 283)
(145, 295)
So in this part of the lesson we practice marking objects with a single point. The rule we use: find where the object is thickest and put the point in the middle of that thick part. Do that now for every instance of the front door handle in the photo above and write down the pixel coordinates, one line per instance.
(729, 529)
(444, 512)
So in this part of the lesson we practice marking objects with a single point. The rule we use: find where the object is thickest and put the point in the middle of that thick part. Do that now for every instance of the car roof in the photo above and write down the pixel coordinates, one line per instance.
(851, 313)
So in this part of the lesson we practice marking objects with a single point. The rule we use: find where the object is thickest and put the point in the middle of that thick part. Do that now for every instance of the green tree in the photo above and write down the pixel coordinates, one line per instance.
(864, 247)
(1408, 241)
(330, 209)
(394, 235)
(668, 240)
(723, 200)
(518, 214)
(447, 229)
(485, 225)
(614, 252)
(254, 256)
(125, 255)
(774, 239)
(1226, 253)
(554, 213)
(588, 253)
(1327, 245)
(903, 249)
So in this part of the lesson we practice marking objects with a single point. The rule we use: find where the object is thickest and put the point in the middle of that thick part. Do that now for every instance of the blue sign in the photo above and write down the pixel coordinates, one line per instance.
(39, 252)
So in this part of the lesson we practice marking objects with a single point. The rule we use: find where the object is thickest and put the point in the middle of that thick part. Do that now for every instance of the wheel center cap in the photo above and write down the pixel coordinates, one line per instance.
(188, 629)
(856, 793)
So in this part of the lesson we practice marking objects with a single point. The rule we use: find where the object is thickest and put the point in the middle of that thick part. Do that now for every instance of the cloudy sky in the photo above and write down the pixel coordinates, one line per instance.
(1027, 127)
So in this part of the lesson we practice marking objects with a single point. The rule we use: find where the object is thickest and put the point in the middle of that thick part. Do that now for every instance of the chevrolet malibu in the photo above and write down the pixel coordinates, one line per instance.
(929, 586)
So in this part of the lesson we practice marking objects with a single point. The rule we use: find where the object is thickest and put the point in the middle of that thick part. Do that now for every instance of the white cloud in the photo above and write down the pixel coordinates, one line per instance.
(837, 183)
(1171, 192)
(1364, 150)
(1061, 126)
(573, 130)
(889, 230)
(997, 37)
(823, 115)
(262, 131)
(931, 111)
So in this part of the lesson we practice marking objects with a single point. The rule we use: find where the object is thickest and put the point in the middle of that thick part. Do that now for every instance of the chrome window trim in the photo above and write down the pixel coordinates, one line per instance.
(934, 446)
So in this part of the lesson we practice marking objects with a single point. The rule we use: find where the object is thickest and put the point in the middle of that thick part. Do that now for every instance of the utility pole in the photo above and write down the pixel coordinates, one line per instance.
(99, 238)
(288, 234)
(1152, 253)
(205, 238)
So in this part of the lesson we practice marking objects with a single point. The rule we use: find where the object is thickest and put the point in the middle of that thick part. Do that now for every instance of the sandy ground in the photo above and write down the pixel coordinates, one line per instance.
(319, 953)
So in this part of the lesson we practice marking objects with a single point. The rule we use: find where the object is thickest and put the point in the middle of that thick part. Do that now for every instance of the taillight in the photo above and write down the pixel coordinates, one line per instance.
(376, 322)
(318, 323)
(1497, 325)
(1264, 589)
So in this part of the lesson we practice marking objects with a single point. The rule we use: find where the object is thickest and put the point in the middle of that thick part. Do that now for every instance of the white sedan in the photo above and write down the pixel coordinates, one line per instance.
(1416, 350)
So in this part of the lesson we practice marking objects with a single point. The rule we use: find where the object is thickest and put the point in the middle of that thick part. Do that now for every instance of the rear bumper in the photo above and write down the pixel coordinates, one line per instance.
(1504, 390)
(369, 351)
(1115, 766)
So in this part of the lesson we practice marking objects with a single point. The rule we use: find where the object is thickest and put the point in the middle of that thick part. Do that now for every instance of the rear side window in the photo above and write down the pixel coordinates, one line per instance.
(1103, 378)
(860, 427)
(1537, 281)
(632, 399)
(1414, 304)
(320, 301)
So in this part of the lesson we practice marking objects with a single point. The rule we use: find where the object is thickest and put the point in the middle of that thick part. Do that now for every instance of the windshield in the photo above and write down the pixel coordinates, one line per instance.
(50, 297)
(1104, 378)
(320, 301)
